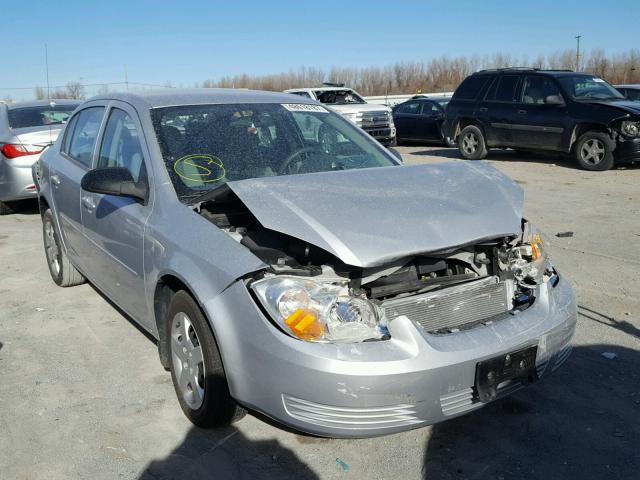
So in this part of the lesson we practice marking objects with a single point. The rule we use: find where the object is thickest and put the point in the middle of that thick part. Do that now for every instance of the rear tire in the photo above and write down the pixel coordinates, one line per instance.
(594, 151)
(5, 209)
(196, 366)
(63, 273)
(471, 143)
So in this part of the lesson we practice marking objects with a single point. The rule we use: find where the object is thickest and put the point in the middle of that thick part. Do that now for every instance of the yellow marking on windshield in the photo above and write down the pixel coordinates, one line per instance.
(199, 168)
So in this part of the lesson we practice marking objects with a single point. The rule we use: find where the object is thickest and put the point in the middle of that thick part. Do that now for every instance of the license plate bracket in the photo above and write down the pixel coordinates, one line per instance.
(516, 366)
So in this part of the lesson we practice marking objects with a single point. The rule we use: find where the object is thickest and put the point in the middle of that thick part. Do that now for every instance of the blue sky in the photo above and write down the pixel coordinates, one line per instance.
(183, 42)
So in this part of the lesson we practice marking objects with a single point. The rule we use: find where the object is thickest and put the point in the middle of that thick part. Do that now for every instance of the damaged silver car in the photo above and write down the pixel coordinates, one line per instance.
(289, 264)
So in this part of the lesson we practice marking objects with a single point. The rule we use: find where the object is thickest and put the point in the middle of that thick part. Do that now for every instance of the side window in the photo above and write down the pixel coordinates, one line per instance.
(68, 133)
(537, 88)
(632, 94)
(84, 135)
(471, 87)
(409, 107)
(121, 144)
(429, 109)
(302, 94)
(505, 90)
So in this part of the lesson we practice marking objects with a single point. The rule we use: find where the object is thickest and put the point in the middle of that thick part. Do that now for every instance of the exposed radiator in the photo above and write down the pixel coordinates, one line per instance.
(454, 307)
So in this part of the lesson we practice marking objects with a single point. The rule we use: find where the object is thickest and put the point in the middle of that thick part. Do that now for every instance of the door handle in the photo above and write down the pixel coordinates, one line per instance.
(483, 109)
(55, 179)
(87, 202)
(522, 112)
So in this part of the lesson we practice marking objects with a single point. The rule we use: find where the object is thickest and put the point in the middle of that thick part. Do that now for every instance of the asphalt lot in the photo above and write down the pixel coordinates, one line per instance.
(83, 395)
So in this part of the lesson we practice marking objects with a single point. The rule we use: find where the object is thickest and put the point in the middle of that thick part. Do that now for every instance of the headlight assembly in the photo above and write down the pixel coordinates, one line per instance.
(528, 260)
(319, 311)
(631, 129)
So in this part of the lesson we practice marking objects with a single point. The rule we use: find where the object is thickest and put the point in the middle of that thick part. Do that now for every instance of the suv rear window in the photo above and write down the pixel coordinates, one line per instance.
(470, 88)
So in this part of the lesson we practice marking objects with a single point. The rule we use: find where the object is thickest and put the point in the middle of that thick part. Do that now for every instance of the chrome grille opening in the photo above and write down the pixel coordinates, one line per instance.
(453, 308)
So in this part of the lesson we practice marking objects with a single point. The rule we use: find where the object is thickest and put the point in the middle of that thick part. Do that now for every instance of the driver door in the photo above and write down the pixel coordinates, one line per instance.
(115, 225)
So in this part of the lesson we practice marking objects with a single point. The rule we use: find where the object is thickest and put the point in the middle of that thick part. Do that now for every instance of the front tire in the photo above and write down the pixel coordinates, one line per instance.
(5, 209)
(471, 143)
(196, 366)
(594, 151)
(63, 273)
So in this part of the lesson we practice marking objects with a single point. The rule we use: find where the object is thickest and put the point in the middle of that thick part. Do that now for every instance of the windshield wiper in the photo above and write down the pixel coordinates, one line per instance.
(209, 195)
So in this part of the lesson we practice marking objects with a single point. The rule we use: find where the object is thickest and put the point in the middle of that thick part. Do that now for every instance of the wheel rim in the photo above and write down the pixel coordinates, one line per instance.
(469, 143)
(593, 151)
(188, 363)
(51, 248)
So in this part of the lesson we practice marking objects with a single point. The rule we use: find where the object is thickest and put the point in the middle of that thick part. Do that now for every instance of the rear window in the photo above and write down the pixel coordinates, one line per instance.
(470, 88)
(39, 116)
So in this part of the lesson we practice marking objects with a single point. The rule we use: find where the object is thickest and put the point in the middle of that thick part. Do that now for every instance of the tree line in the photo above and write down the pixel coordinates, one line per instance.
(441, 74)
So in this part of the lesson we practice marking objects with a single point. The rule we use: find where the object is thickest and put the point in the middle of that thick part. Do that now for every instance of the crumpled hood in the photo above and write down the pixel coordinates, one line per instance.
(370, 217)
(626, 106)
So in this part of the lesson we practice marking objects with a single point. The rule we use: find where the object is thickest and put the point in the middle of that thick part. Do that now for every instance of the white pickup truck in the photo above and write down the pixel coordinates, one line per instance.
(376, 120)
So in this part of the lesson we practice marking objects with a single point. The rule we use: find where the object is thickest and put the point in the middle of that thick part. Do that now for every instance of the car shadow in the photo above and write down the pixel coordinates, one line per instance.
(581, 422)
(622, 325)
(25, 207)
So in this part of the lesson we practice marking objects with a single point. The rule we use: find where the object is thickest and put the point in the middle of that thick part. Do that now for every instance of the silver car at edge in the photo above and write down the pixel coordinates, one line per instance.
(26, 129)
(289, 264)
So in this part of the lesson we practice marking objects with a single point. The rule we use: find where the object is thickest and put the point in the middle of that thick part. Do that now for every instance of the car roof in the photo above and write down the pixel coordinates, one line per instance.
(42, 103)
(321, 89)
(199, 96)
(555, 73)
(629, 85)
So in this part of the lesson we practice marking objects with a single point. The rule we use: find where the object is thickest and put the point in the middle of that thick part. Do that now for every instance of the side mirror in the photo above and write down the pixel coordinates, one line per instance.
(114, 181)
(396, 154)
(554, 100)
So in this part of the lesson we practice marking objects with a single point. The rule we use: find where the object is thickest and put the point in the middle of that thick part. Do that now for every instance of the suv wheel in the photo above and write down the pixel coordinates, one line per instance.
(471, 143)
(594, 151)
(196, 366)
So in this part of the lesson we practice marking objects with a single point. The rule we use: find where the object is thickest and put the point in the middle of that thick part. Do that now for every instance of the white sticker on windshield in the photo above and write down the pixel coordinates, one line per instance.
(599, 80)
(304, 107)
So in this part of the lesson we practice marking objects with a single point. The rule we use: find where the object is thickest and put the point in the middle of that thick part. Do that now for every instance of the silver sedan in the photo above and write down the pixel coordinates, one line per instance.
(289, 264)
(26, 130)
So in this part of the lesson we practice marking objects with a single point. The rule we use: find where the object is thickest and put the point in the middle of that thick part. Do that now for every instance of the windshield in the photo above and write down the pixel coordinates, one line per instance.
(205, 146)
(43, 115)
(583, 87)
(338, 97)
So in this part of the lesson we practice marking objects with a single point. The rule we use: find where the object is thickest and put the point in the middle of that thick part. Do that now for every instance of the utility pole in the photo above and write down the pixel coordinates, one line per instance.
(126, 79)
(46, 63)
(578, 37)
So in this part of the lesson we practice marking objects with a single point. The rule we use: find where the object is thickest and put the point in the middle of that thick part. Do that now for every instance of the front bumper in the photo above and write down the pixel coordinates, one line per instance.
(16, 181)
(382, 134)
(374, 388)
(628, 150)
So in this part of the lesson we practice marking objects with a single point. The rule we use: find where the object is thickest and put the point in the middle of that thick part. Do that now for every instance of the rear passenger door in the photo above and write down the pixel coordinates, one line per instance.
(431, 118)
(115, 225)
(537, 123)
(406, 117)
(498, 110)
(75, 159)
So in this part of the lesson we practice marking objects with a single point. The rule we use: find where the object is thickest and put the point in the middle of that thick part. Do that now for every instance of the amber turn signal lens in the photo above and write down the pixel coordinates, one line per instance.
(304, 324)
(536, 247)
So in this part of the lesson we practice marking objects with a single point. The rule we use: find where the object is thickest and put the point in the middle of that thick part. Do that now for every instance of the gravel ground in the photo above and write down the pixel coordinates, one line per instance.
(83, 395)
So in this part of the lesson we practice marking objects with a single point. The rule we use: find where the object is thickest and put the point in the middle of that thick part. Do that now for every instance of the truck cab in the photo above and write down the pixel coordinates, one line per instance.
(376, 120)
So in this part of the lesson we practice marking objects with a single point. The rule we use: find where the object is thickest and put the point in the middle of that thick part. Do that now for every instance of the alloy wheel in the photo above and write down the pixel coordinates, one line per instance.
(187, 359)
(51, 248)
(470, 143)
(593, 151)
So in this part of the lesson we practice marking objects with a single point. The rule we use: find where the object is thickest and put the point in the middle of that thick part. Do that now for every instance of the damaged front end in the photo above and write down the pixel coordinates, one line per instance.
(312, 295)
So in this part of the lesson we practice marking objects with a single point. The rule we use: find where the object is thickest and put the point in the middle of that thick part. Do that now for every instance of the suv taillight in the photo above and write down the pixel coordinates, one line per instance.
(13, 150)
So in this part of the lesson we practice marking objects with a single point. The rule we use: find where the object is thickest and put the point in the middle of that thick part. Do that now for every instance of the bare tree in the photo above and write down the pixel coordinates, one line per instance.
(40, 93)
(75, 91)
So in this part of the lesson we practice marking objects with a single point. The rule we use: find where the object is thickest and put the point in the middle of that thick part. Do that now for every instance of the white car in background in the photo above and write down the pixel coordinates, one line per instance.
(376, 120)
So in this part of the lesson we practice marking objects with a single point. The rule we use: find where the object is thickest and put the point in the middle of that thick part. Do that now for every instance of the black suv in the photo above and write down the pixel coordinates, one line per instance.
(530, 109)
